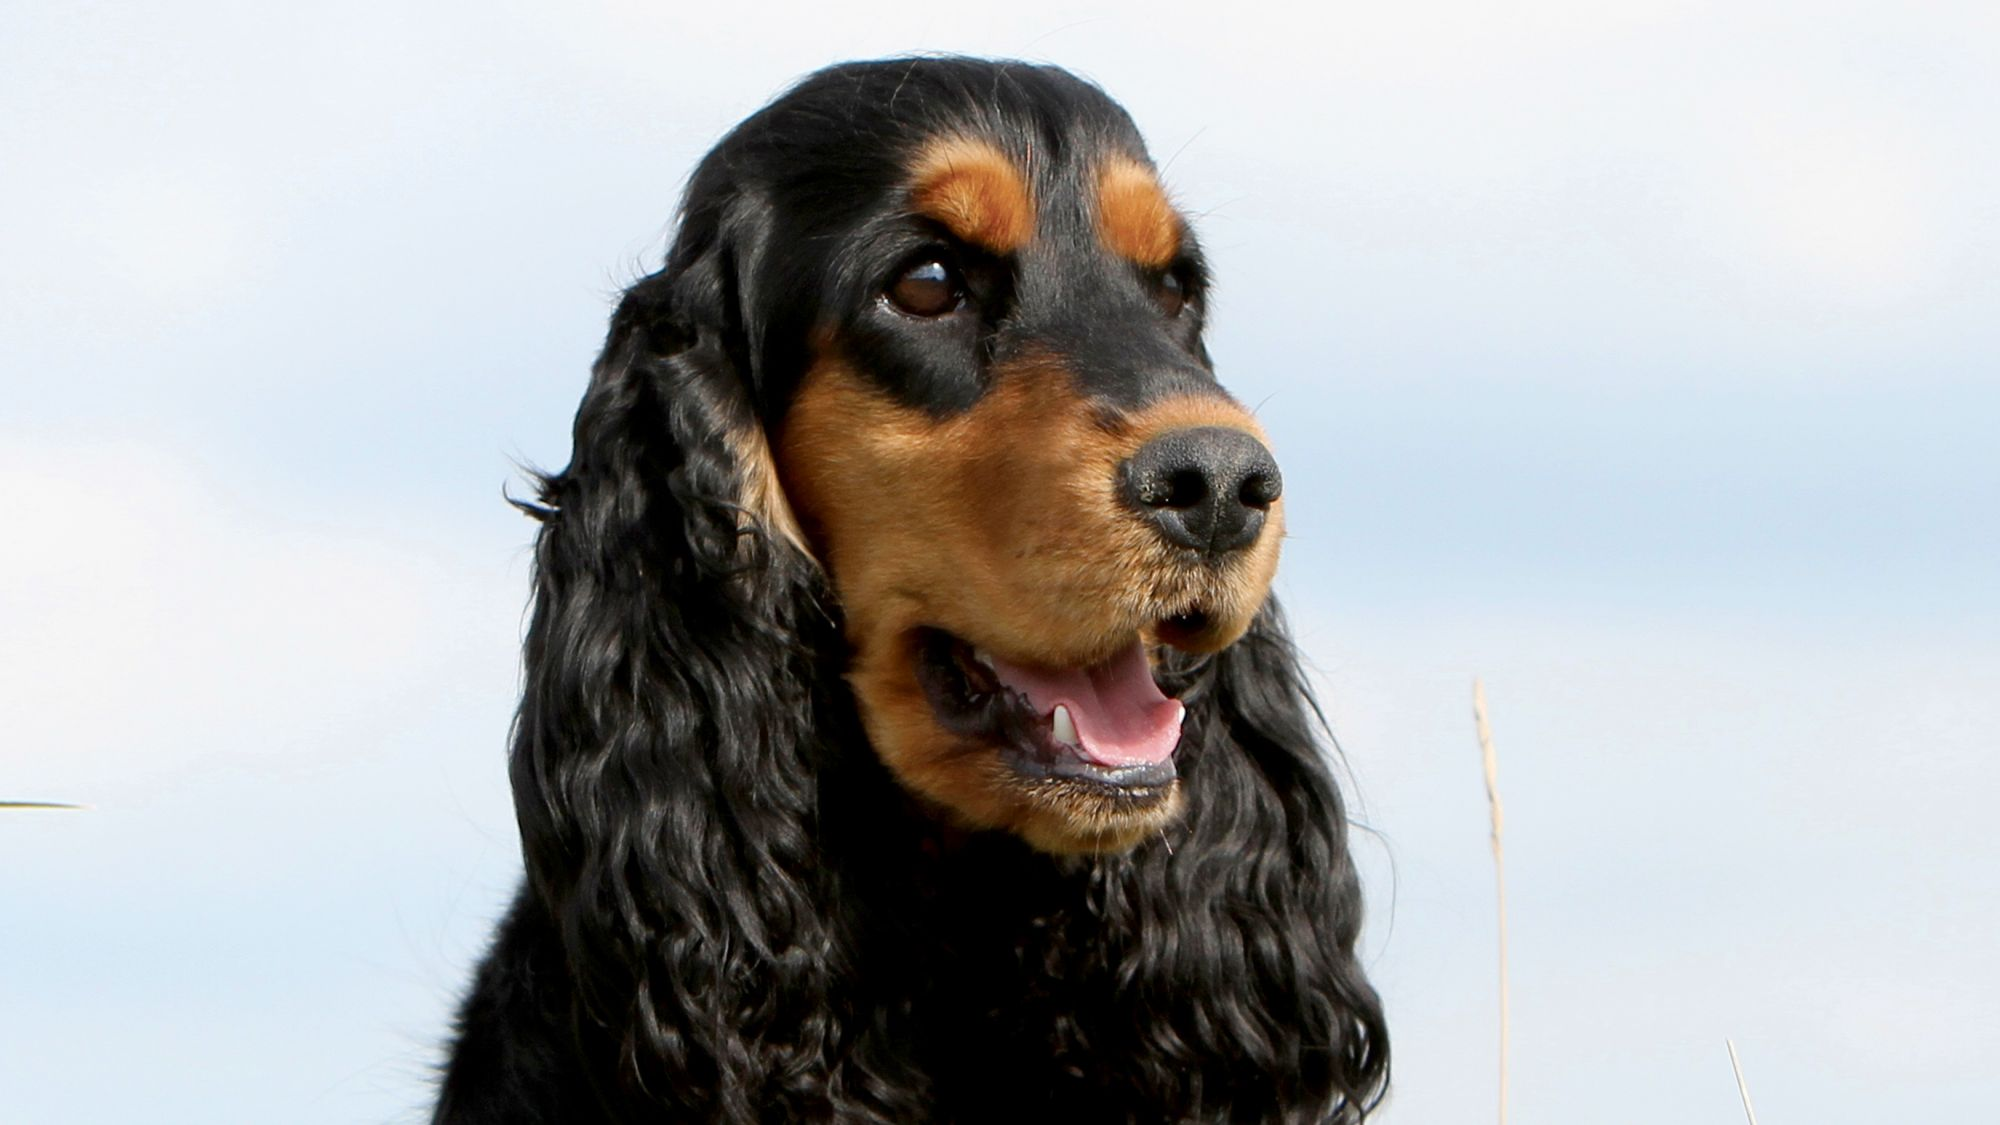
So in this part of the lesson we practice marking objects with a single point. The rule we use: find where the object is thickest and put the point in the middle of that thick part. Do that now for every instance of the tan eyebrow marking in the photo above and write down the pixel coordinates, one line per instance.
(975, 191)
(1134, 217)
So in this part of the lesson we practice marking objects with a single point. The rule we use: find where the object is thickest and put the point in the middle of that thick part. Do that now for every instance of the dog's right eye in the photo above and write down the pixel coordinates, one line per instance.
(929, 288)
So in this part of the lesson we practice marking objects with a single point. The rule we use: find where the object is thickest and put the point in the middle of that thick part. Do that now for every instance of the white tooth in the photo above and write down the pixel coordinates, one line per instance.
(1065, 727)
(980, 655)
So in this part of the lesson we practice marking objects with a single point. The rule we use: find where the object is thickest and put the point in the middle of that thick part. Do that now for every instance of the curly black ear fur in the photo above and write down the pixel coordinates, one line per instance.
(669, 745)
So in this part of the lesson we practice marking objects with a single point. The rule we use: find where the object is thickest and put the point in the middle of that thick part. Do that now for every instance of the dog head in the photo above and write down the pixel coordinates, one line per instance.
(913, 442)
(956, 329)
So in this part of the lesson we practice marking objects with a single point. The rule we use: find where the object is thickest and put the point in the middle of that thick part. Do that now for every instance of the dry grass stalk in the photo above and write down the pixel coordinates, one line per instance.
(1742, 1088)
(1499, 868)
(36, 805)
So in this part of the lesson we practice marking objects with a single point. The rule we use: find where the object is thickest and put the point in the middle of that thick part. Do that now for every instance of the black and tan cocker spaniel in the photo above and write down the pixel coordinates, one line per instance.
(908, 733)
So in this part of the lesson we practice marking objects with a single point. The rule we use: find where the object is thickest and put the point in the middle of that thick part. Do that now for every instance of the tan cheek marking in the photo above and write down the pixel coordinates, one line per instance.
(976, 192)
(1133, 216)
(1000, 525)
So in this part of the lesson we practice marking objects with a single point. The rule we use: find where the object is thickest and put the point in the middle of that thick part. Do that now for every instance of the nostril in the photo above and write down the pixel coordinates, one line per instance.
(1260, 489)
(1184, 489)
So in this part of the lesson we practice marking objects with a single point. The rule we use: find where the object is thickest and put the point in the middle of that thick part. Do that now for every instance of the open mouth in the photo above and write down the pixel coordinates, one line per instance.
(1107, 726)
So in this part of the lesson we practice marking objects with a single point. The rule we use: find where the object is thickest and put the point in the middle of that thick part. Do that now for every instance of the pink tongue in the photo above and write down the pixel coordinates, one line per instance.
(1121, 717)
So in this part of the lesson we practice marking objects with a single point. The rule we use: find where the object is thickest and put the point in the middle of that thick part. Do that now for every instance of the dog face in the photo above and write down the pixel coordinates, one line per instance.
(972, 321)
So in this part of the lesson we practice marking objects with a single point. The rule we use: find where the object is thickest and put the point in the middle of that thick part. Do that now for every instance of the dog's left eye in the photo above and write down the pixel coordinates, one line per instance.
(1171, 293)
(929, 288)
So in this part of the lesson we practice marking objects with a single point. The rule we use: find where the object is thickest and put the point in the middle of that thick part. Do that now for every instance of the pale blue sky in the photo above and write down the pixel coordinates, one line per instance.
(1639, 357)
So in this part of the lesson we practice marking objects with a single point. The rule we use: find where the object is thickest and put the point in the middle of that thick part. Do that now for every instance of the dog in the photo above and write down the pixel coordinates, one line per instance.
(908, 733)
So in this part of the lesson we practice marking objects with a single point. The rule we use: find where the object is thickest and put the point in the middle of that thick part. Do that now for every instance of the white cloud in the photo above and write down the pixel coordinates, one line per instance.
(1814, 198)
(157, 618)
(179, 236)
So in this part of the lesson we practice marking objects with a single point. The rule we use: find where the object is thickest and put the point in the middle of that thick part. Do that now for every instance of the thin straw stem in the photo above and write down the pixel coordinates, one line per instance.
(1499, 868)
(1742, 1087)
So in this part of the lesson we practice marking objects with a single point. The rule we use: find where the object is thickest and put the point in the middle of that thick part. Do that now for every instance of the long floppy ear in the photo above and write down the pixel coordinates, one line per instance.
(665, 755)
(1240, 936)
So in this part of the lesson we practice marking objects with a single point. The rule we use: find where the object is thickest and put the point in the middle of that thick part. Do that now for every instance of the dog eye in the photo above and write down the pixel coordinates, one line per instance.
(1171, 293)
(928, 289)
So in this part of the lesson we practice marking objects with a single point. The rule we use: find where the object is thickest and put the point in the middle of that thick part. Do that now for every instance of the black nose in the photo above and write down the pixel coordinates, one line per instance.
(1205, 488)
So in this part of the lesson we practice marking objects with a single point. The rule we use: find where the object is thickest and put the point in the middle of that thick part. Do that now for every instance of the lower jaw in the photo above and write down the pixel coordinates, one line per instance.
(1091, 821)
(993, 766)
(991, 714)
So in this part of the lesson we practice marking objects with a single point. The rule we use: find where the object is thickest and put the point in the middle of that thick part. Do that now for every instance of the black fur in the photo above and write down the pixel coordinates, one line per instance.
(732, 913)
